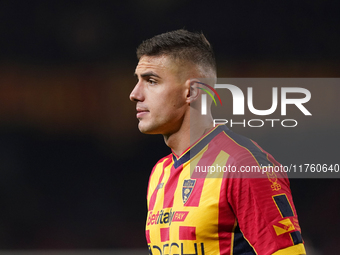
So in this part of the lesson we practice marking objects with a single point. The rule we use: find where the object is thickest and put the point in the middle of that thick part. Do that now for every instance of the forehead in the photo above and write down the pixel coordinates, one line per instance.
(159, 64)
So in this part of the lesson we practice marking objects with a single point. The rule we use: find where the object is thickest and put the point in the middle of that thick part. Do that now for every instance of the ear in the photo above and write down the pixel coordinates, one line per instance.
(193, 91)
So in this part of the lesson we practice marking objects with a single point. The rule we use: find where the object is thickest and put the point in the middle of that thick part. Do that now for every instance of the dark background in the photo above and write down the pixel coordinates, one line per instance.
(73, 165)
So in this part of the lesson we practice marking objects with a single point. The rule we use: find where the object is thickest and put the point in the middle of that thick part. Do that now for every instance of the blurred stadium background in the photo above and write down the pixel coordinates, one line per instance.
(73, 165)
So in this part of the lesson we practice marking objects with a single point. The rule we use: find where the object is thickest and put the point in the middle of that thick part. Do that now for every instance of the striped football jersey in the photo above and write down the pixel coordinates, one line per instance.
(202, 202)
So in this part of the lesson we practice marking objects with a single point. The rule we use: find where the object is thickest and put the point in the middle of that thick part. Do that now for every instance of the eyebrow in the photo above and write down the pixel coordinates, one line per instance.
(147, 74)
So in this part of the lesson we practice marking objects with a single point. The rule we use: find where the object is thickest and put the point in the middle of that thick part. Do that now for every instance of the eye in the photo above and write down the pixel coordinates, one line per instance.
(152, 81)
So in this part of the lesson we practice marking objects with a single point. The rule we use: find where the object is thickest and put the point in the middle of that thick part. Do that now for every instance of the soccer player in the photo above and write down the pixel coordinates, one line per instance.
(189, 213)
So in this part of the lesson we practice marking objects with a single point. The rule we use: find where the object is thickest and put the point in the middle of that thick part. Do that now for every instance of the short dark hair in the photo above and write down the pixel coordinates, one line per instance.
(180, 45)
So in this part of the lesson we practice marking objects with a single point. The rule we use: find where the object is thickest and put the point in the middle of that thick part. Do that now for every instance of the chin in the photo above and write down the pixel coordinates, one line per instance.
(149, 129)
(145, 129)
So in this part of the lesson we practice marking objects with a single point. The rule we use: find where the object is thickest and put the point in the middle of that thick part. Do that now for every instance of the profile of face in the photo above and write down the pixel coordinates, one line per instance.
(162, 97)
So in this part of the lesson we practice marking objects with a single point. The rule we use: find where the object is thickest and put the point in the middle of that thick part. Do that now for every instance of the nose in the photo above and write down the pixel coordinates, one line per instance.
(137, 94)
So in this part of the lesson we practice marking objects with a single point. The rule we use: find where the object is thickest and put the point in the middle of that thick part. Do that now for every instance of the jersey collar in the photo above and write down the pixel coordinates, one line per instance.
(197, 146)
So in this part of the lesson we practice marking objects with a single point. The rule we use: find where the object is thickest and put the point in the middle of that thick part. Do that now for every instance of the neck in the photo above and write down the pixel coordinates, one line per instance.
(189, 132)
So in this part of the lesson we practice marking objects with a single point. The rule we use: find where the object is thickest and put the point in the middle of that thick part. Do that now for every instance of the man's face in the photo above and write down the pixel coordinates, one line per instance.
(161, 95)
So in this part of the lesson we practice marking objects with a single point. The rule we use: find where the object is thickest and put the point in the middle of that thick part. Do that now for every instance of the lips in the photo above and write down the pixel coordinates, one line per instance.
(141, 112)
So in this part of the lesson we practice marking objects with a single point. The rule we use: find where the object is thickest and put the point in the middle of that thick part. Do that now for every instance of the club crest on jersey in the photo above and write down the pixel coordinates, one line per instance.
(273, 179)
(188, 186)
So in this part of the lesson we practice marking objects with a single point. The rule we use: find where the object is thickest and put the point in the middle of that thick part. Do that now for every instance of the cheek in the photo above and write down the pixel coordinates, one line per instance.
(176, 99)
(171, 107)
(175, 109)
(168, 102)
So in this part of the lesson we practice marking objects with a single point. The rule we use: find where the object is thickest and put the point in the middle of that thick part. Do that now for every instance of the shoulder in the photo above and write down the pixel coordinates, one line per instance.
(162, 163)
(157, 172)
(245, 151)
(164, 159)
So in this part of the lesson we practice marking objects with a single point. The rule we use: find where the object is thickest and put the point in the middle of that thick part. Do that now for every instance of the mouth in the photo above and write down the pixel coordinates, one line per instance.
(141, 113)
